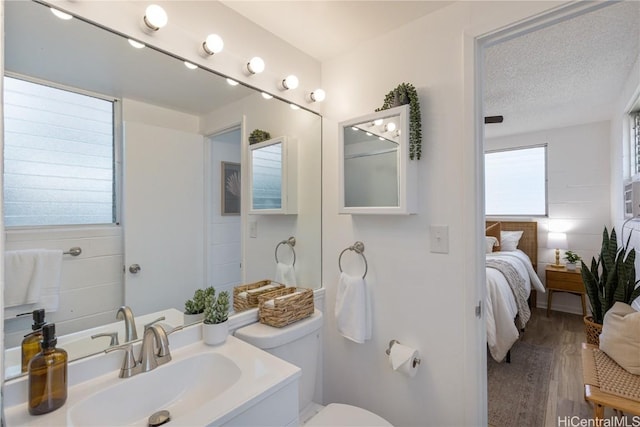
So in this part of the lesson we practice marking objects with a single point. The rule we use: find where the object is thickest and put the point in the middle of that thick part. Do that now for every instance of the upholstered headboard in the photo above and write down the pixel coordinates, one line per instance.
(529, 240)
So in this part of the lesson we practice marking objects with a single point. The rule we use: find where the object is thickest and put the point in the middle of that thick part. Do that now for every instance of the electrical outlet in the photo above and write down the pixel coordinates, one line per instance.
(253, 229)
(439, 239)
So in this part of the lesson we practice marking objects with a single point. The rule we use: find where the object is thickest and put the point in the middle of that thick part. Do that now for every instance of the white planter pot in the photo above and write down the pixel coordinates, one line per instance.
(192, 318)
(215, 334)
(571, 266)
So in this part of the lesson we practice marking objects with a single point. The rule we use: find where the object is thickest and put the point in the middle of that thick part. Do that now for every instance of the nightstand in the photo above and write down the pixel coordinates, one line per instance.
(563, 280)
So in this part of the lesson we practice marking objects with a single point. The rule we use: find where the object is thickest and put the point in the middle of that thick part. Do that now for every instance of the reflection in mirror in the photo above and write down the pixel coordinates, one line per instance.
(273, 177)
(376, 175)
(169, 236)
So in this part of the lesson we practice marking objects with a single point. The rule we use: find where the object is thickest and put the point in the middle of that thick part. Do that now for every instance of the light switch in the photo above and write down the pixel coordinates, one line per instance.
(253, 229)
(439, 239)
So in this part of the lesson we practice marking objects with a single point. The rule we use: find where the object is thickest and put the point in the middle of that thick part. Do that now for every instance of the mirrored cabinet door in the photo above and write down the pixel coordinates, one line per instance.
(376, 175)
(273, 177)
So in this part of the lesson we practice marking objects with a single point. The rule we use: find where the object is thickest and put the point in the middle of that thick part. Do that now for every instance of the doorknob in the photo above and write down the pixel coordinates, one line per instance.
(134, 268)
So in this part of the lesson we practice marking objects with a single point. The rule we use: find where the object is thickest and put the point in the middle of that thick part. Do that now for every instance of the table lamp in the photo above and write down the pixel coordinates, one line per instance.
(557, 241)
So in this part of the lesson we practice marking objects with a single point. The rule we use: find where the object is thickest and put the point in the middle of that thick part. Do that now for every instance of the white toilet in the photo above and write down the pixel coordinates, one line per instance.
(299, 344)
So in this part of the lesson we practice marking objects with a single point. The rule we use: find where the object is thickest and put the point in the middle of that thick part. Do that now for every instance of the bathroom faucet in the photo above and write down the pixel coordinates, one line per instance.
(112, 335)
(130, 332)
(154, 351)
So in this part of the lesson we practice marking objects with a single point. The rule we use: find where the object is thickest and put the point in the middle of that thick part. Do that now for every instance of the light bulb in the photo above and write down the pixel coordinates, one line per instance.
(61, 14)
(136, 44)
(266, 95)
(390, 127)
(378, 122)
(213, 44)
(318, 95)
(155, 17)
(354, 128)
(190, 66)
(294, 107)
(290, 82)
(255, 65)
(232, 82)
(368, 133)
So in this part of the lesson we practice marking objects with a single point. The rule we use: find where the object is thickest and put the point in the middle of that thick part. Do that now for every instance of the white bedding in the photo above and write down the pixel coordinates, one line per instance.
(501, 307)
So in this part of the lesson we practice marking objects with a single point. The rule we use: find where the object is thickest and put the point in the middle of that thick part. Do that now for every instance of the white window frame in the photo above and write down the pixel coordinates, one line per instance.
(546, 182)
(117, 154)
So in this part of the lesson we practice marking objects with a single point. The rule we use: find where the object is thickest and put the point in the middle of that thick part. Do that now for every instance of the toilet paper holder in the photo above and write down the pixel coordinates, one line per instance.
(415, 362)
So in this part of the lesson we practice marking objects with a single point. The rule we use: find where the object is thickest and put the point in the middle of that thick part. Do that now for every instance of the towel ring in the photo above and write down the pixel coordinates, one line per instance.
(357, 247)
(291, 242)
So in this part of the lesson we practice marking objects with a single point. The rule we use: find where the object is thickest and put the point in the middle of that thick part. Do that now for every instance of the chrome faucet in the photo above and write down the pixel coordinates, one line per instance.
(154, 351)
(130, 333)
(112, 335)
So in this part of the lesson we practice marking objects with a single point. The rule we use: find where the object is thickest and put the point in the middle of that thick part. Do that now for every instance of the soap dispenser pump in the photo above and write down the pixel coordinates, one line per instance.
(48, 375)
(31, 341)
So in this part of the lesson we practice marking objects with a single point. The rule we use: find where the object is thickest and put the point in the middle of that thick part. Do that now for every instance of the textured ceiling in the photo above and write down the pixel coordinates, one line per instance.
(565, 74)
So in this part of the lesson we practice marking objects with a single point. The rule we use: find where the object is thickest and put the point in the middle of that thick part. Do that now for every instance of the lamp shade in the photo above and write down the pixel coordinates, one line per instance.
(557, 241)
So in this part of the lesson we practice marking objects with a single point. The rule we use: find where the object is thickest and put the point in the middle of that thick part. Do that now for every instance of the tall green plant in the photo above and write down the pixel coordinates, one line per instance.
(612, 277)
(196, 305)
(216, 310)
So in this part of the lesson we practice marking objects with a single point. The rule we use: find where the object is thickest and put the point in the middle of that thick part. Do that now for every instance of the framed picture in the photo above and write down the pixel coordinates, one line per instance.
(230, 188)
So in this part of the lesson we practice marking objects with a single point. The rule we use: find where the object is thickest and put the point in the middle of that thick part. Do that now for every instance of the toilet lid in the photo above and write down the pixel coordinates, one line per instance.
(337, 414)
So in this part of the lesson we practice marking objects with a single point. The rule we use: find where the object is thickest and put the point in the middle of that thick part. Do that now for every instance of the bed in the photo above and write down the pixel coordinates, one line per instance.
(512, 282)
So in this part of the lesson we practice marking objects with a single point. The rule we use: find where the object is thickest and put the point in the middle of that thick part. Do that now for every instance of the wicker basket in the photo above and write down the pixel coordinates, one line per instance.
(593, 330)
(251, 301)
(287, 310)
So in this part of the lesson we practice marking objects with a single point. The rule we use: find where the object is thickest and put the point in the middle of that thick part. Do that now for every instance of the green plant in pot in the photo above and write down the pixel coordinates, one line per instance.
(194, 308)
(610, 279)
(572, 259)
(215, 327)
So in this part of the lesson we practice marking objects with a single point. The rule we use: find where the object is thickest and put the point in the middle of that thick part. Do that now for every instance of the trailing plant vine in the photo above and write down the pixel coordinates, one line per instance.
(404, 94)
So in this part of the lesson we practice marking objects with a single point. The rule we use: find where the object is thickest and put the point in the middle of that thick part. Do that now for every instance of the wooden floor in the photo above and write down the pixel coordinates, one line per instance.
(564, 333)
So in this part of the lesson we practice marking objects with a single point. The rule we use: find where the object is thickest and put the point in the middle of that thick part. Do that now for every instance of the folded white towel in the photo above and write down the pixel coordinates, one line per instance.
(353, 308)
(272, 302)
(285, 274)
(32, 277)
(260, 290)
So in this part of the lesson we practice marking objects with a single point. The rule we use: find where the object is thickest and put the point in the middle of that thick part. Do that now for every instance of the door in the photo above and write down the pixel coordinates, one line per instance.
(163, 216)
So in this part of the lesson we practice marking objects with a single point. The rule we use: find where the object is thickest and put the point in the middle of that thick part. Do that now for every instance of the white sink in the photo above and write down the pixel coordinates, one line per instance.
(231, 384)
(179, 387)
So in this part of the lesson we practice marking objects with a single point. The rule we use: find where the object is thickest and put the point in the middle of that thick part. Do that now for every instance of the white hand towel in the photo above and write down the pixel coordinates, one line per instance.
(33, 277)
(353, 308)
(285, 274)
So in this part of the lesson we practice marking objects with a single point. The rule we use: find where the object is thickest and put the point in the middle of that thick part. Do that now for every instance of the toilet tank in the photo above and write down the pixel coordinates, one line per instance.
(297, 343)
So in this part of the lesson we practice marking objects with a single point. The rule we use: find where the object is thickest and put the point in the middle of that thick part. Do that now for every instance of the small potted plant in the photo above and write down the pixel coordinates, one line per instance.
(215, 327)
(258, 135)
(572, 259)
(194, 308)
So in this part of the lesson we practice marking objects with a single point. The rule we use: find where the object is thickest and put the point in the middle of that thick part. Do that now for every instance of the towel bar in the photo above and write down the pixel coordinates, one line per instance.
(357, 247)
(74, 251)
(291, 242)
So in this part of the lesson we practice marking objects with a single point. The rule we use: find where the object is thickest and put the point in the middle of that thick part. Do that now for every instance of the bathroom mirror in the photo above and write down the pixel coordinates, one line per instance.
(273, 177)
(198, 102)
(376, 175)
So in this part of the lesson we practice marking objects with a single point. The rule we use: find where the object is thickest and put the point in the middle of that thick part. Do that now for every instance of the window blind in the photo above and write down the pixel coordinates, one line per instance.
(58, 156)
(635, 138)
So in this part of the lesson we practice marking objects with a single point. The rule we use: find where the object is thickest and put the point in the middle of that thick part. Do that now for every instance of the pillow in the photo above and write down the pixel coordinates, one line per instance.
(493, 230)
(509, 240)
(620, 338)
(490, 242)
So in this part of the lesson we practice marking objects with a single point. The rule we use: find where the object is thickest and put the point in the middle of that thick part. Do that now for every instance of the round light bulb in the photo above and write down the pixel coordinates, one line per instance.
(213, 44)
(255, 65)
(318, 95)
(368, 133)
(136, 44)
(266, 95)
(232, 82)
(390, 127)
(190, 66)
(378, 122)
(61, 14)
(290, 82)
(155, 17)
(294, 107)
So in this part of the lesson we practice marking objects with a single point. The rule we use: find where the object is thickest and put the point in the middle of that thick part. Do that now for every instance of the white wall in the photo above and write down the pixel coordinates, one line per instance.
(578, 193)
(423, 299)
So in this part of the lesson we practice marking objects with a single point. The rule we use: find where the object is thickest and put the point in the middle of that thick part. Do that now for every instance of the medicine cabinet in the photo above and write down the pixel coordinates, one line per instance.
(376, 175)
(273, 177)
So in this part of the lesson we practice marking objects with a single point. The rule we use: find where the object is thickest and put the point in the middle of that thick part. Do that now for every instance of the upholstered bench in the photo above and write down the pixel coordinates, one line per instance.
(606, 384)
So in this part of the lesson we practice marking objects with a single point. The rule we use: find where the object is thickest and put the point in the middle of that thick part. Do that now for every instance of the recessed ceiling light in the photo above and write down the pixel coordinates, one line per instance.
(190, 66)
(136, 44)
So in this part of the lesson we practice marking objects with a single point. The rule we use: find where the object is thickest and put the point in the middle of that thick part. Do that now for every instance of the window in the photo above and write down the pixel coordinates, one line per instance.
(635, 139)
(516, 181)
(58, 156)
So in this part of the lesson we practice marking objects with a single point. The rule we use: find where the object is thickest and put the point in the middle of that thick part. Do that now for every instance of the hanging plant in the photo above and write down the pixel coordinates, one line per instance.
(404, 94)
(258, 135)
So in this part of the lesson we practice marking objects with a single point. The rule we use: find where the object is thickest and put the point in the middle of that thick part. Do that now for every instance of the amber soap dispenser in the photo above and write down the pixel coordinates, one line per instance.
(31, 341)
(48, 375)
